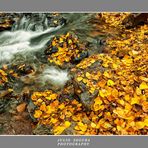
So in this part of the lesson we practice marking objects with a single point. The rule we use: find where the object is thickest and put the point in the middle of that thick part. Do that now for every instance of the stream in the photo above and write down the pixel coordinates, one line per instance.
(26, 41)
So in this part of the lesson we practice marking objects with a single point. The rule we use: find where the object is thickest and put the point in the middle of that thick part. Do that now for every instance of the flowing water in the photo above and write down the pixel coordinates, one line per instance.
(29, 36)
(25, 43)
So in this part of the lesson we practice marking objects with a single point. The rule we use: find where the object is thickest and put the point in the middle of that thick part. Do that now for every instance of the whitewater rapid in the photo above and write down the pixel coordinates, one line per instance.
(14, 42)
(21, 41)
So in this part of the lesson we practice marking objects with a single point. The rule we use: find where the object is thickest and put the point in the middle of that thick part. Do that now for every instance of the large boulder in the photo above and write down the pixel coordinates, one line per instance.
(87, 74)
(65, 50)
(135, 19)
(7, 20)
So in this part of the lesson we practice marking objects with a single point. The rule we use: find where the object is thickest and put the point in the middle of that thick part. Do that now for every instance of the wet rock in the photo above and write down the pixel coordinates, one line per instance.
(66, 49)
(86, 99)
(63, 21)
(67, 92)
(4, 93)
(51, 50)
(42, 130)
(25, 69)
(86, 76)
(30, 108)
(5, 25)
(25, 94)
(134, 20)
(1, 128)
(101, 41)
(3, 105)
(81, 56)
(7, 20)
(70, 130)
(56, 20)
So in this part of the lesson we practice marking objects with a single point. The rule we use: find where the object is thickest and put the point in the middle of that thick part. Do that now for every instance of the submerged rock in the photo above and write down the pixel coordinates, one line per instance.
(5, 25)
(51, 50)
(56, 20)
(25, 69)
(82, 55)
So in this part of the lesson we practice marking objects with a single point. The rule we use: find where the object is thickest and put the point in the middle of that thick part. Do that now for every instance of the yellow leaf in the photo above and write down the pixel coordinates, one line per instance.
(106, 74)
(48, 98)
(127, 61)
(119, 128)
(98, 101)
(115, 66)
(110, 83)
(39, 100)
(37, 114)
(138, 91)
(3, 73)
(88, 75)
(145, 106)
(140, 125)
(53, 120)
(61, 106)
(82, 126)
(107, 125)
(62, 116)
(92, 90)
(115, 93)
(75, 102)
(120, 112)
(69, 41)
(143, 85)
(53, 96)
(53, 43)
(49, 109)
(79, 79)
(93, 125)
(76, 128)
(43, 107)
(127, 97)
(121, 102)
(67, 124)
(75, 118)
(128, 106)
(67, 35)
(61, 40)
(146, 122)
(101, 83)
(102, 93)
(84, 80)
(58, 130)
(105, 64)
(10, 90)
(4, 79)
(143, 78)
(135, 100)
(96, 107)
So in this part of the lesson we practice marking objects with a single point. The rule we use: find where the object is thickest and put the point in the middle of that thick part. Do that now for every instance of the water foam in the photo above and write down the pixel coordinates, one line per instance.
(56, 77)
(19, 41)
